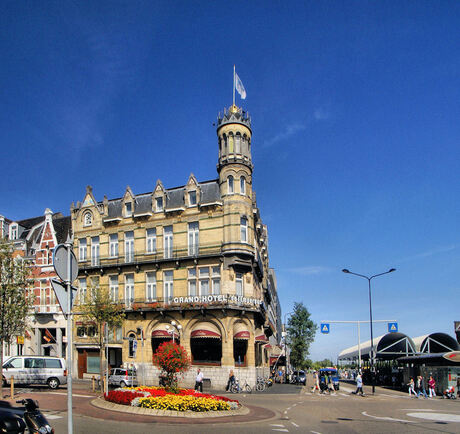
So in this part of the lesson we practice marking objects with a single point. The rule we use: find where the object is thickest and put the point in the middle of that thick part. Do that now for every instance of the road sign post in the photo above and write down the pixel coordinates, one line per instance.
(66, 267)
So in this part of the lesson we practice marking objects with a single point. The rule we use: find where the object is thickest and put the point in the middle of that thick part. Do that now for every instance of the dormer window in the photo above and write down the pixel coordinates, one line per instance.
(14, 232)
(230, 186)
(88, 219)
(192, 198)
(159, 204)
(128, 209)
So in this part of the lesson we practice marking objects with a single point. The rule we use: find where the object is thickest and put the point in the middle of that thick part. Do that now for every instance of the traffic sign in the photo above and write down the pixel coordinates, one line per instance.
(325, 327)
(61, 294)
(60, 262)
(392, 327)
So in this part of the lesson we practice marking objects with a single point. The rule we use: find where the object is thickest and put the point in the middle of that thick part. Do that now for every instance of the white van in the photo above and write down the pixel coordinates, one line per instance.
(35, 370)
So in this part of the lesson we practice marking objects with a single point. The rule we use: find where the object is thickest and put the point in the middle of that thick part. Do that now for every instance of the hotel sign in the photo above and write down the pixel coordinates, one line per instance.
(222, 298)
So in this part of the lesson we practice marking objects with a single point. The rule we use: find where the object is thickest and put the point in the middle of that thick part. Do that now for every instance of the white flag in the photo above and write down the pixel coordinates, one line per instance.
(240, 87)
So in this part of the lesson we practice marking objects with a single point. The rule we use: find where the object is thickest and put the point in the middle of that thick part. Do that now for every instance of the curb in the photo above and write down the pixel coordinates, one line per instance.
(106, 405)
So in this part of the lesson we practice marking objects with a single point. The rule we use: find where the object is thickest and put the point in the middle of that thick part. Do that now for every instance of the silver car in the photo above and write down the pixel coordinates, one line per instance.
(123, 377)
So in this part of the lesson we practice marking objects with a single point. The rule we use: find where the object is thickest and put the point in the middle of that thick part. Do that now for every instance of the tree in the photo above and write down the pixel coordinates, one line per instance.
(173, 359)
(300, 334)
(15, 302)
(100, 310)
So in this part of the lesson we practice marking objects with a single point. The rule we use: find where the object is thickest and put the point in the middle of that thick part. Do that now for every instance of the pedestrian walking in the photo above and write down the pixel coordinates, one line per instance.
(316, 382)
(431, 387)
(411, 385)
(231, 380)
(199, 381)
(359, 385)
(421, 387)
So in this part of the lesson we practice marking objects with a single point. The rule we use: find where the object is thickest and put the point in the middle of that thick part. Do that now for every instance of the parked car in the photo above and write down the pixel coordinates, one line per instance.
(35, 370)
(331, 372)
(299, 377)
(122, 377)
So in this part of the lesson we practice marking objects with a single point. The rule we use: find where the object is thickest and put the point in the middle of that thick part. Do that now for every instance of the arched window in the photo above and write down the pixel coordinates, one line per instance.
(230, 186)
(88, 219)
(231, 149)
(131, 349)
(238, 143)
(243, 185)
(225, 142)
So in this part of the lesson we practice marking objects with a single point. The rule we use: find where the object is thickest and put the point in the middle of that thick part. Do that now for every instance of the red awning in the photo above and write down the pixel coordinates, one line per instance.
(243, 335)
(261, 338)
(163, 334)
(204, 334)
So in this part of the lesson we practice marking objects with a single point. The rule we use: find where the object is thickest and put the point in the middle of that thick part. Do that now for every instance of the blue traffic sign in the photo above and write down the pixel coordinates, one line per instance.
(325, 327)
(392, 327)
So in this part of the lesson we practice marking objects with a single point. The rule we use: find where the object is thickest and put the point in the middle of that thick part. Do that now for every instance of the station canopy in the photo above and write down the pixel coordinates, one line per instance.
(436, 343)
(389, 346)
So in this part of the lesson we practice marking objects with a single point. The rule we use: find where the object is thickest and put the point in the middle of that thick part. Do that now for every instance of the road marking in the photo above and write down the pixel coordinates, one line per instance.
(274, 424)
(280, 429)
(52, 416)
(315, 432)
(344, 394)
(346, 389)
(293, 423)
(386, 418)
(287, 409)
(439, 417)
(416, 409)
(73, 394)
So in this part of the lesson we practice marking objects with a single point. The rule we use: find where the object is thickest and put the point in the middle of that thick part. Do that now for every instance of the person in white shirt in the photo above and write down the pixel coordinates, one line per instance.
(199, 381)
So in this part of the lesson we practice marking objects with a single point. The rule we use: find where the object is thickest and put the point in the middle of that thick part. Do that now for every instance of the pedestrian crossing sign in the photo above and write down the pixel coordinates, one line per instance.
(325, 327)
(392, 327)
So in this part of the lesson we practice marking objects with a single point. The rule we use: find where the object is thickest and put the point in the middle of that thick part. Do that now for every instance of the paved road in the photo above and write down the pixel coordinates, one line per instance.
(285, 408)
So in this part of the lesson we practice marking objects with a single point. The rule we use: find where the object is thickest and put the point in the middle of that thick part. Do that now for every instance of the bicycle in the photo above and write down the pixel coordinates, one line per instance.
(235, 387)
(260, 385)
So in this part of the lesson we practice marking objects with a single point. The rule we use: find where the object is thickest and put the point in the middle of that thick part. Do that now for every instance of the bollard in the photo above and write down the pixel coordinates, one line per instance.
(93, 379)
(12, 386)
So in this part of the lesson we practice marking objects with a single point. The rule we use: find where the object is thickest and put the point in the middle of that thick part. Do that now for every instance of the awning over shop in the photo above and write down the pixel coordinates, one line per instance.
(261, 338)
(160, 331)
(205, 330)
(241, 332)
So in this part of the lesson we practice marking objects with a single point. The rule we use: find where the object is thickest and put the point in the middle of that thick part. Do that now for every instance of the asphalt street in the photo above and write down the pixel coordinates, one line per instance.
(282, 408)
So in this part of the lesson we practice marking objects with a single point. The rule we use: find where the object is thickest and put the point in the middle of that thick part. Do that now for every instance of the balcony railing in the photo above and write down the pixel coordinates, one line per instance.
(144, 257)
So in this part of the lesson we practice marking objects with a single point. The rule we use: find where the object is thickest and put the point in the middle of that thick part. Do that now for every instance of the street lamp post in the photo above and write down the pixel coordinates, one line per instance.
(370, 317)
(172, 329)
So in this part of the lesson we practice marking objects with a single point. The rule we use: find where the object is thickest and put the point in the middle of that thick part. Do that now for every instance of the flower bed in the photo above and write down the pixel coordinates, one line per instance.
(160, 399)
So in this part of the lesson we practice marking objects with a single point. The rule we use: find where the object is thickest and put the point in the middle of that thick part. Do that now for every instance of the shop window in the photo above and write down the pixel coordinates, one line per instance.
(240, 348)
(206, 351)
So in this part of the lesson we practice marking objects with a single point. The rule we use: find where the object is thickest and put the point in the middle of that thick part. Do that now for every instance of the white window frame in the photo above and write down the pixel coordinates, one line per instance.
(159, 205)
(192, 282)
(151, 240)
(113, 245)
(216, 280)
(243, 185)
(128, 212)
(129, 290)
(244, 229)
(88, 218)
(113, 287)
(14, 231)
(95, 251)
(230, 184)
(82, 289)
(193, 237)
(203, 276)
(192, 198)
(82, 249)
(239, 278)
(129, 246)
(150, 286)
(168, 241)
(168, 285)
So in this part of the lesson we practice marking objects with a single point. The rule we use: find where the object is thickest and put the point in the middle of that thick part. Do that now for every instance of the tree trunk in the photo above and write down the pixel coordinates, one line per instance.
(1, 369)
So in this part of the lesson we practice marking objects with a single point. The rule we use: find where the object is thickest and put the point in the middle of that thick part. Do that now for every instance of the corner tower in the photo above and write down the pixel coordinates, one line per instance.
(235, 180)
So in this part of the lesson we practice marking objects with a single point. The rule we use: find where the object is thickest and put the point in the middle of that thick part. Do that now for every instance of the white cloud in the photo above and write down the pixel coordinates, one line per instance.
(320, 114)
(289, 131)
(428, 253)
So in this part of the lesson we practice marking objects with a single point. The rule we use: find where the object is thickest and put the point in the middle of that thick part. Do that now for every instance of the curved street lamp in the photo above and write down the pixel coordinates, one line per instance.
(172, 329)
(369, 278)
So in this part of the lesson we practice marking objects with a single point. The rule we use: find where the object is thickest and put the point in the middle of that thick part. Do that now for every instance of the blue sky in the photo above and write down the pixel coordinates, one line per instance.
(355, 111)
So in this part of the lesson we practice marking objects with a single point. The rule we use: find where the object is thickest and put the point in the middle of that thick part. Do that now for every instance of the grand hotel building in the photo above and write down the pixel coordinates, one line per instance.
(195, 255)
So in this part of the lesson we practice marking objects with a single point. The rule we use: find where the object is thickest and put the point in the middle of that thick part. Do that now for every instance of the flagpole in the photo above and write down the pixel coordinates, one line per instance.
(233, 84)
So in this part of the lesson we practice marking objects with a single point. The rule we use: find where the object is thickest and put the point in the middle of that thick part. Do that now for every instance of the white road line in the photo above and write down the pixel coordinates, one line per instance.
(52, 416)
(73, 394)
(439, 417)
(386, 418)
(274, 424)
(346, 389)
(293, 423)
(280, 429)
(344, 394)
(287, 409)
(315, 432)
(417, 409)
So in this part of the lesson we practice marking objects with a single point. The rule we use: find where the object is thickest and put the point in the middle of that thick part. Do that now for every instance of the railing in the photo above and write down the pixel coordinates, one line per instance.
(159, 255)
